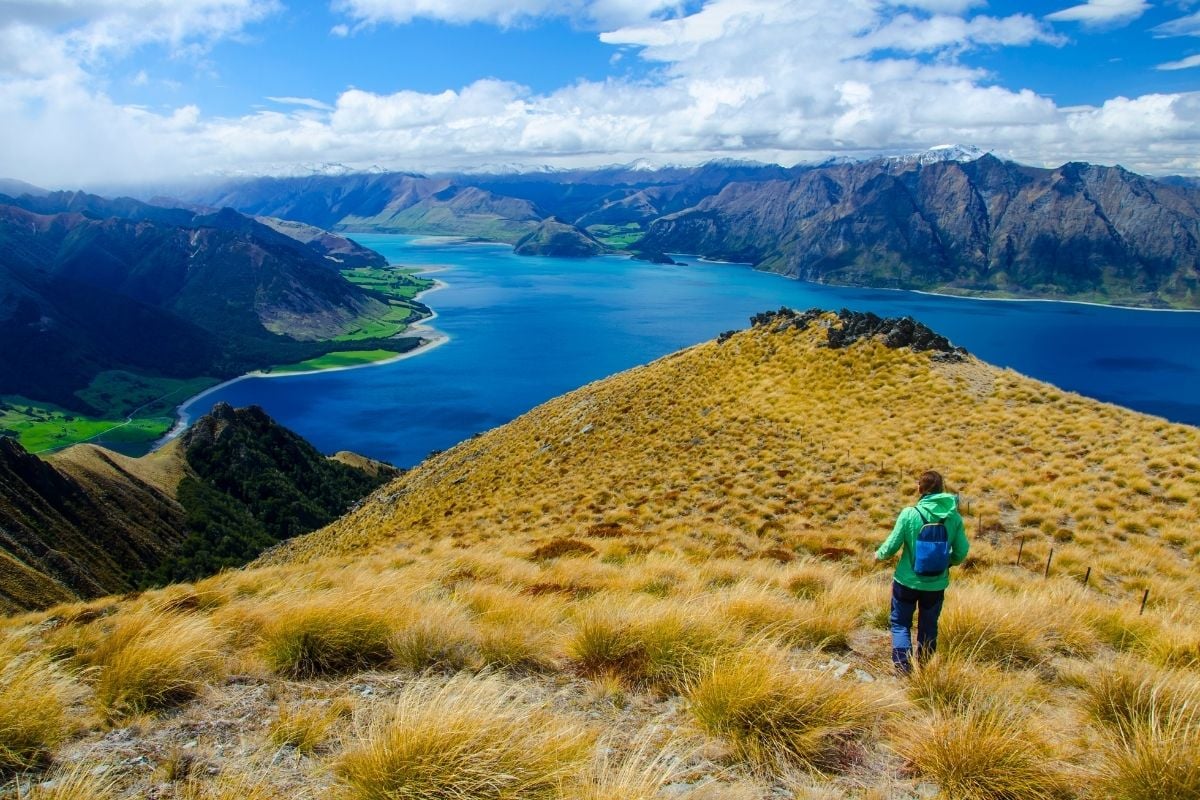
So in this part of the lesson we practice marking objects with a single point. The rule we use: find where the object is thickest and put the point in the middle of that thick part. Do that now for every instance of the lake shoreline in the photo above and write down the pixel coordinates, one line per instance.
(436, 339)
(930, 292)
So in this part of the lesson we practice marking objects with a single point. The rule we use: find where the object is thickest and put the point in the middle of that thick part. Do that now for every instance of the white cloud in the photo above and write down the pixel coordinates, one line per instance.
(1183, 63)
(781, 80)
(1184, 26)
(98, 28)
(603, 13)
(1102, 12)
(307, 102)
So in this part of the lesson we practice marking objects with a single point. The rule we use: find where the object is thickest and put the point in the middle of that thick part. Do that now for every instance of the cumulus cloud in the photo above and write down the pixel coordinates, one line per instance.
(779, 80)
(1102, 12)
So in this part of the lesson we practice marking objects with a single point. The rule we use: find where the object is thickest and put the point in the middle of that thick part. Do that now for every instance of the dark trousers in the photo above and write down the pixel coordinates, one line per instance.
(928, 607)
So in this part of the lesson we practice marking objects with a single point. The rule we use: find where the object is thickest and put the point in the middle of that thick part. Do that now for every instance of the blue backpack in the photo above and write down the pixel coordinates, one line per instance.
(931, 556)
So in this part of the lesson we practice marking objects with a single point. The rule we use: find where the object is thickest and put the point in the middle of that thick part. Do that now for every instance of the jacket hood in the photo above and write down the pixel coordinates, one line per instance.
(937, 506)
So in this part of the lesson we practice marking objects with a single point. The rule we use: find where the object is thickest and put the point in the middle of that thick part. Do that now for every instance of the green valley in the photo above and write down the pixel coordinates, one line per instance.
(132, 409)
(114, 312)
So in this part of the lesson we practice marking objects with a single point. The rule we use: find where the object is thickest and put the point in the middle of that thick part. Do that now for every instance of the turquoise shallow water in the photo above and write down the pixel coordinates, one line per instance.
(523, 330)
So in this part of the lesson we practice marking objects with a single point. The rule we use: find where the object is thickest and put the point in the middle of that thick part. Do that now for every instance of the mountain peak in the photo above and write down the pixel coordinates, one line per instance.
(938, 154)
(844, 328)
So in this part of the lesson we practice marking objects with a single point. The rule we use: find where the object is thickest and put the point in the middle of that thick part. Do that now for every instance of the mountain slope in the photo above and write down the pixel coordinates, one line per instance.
(89, 285)
(1079, 231)
(83, 524)
(553, 237)
(87, 522)
(698, 440)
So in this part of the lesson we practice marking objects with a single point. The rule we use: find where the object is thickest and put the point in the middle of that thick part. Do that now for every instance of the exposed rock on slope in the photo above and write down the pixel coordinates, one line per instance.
(340, 250)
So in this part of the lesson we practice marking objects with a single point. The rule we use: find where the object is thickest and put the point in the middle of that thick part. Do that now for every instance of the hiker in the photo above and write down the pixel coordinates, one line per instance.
(932, 538)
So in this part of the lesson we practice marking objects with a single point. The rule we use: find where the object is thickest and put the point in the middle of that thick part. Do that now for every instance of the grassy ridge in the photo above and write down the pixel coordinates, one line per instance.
(665, 578)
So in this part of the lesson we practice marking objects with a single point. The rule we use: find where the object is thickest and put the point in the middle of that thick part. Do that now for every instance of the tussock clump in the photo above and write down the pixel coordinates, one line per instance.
(319, 636)
(34, 696)
(640, 773)
(306, 726)
(79, 783)
(775, 716)
(951, 683)
(516, 631)
(656, 644)
(557, 548)
(433, 636)
(1130, 693)
(1156, 756)
(465, 739)
(239, 787)
(984, 751)
(150, 661)
(986, 627)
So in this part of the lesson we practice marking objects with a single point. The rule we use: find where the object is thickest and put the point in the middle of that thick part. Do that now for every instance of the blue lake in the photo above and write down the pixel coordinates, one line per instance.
(523, 330)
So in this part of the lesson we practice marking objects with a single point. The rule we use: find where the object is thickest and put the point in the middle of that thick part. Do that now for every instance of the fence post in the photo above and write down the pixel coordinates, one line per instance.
(1049, 558)
(1020, 550)
(1086, 576)
(1145, 597)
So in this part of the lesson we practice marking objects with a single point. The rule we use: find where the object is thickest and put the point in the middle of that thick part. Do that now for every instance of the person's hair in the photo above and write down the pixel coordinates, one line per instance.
(931, 483)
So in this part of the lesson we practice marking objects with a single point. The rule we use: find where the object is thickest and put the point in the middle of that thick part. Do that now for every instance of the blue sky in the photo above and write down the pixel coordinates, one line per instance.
(152, 89)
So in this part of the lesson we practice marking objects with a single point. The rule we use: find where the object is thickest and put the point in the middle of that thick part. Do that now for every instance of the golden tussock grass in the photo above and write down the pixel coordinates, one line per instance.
(1155, 756)
(775, 715)
(149, 660)
(307, 726)
(77, 783)
(640, 772)
(659, 644)
(985, 750)
(238, 786)
(35, 695)
(464, 739)
(951, 682)
(311, 636)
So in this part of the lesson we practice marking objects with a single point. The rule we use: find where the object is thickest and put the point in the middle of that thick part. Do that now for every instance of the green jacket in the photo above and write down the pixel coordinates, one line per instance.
(904, 535)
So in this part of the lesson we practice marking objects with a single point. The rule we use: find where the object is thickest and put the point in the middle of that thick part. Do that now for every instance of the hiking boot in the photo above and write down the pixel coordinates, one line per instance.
(902, 660)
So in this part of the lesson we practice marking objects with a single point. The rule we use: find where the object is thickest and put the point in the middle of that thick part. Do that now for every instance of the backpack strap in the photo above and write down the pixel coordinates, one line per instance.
(922, 516)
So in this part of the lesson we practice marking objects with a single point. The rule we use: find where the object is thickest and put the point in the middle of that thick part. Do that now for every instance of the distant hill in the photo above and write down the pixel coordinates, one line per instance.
(949, 219)
(984, 226)
(89, 284)
(555, 238)
(87, 521)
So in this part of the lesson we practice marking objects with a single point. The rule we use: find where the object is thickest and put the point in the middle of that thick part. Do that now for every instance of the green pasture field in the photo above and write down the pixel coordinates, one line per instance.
(339, 358)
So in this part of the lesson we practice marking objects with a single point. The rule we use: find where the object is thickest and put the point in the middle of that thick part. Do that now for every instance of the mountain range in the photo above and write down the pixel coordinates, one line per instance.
(951, 219)
(89, 285)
